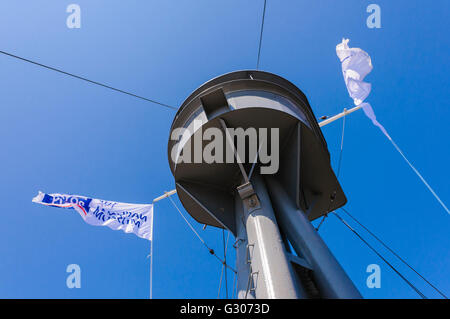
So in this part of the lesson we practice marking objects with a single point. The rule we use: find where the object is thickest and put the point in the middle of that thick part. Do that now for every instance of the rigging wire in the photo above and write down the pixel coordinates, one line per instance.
(233, 293)
(223, 232)
(261, 34)
(339, 165)
(372, 234)
(224, 270)
(87, 80)
(393, 252)
(211, 251)
(321, 222)
(220, 281)
(419, 175)
(342, 145)
(379, 255)
(225, 259)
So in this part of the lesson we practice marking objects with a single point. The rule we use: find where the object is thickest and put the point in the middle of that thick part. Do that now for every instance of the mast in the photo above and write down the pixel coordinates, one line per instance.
(266, 202)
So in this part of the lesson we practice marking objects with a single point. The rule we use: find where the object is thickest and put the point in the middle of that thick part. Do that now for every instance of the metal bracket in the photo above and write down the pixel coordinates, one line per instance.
(247, 253)
(254, 281)
(245, 190)
(251, 283)
(247, 193)
(237, 243)
(231, 144)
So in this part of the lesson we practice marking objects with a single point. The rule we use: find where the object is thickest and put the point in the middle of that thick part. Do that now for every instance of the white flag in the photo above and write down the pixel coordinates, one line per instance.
(131, 218)
(356, 64)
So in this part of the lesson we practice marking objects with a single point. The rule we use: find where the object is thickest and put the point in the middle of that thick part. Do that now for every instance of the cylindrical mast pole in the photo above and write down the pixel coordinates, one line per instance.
(331, 279)
(270, 274)
(242, 263)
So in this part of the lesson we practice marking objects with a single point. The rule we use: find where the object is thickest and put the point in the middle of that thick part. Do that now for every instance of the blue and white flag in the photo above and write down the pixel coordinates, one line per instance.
(131, 218)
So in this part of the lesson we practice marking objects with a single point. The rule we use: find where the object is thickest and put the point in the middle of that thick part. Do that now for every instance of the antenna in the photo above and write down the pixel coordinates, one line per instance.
(258, 122)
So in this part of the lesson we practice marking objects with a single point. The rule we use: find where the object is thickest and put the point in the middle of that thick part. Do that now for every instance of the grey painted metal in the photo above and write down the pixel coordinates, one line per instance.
(219, 194)
(242, 265)
(331, 279)
(272, 276)
(256, 100)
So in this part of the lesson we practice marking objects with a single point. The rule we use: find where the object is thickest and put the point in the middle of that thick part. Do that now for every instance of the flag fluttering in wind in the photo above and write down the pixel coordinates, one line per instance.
(356, 64)
(131, 218)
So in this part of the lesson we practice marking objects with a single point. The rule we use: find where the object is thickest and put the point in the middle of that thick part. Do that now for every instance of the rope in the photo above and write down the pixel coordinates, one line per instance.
(339, 165)
(419, 175)
(342, 145)
(211, 251)
(382, 258)
(394, 253)
(261, 34)
(87, 80)
(220, 282)
(225, 260)
(321, 222)
(225, 247)
(234, 287)
(255, 160)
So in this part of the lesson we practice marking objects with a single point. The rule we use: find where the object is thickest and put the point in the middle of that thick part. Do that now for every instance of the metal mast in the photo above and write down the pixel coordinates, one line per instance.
(265, 209)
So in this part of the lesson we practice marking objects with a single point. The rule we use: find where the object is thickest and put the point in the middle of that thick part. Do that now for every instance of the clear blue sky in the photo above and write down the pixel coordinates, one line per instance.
(59, 134)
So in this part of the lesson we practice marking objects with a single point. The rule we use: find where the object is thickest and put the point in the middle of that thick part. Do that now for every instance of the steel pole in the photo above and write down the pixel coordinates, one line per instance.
(331, 279)
(242, 264)
(270, 274)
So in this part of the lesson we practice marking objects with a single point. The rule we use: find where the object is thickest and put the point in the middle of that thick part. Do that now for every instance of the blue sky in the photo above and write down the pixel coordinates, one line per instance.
(59, 134)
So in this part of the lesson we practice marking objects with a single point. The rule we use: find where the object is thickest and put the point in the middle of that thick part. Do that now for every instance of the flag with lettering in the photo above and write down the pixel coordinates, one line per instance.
(131, 218)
